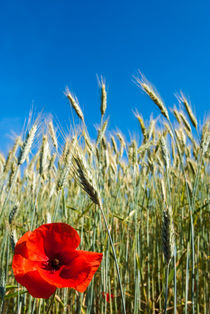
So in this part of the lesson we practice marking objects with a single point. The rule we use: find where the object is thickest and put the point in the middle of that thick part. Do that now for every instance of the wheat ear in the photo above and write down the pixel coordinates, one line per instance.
(189, 110)
(103, 97)
(149, 90)
(141, 122)
(53, 134)
(75, 104)
(186, 123)
(26, 147)
(43, 161)
(85, 179)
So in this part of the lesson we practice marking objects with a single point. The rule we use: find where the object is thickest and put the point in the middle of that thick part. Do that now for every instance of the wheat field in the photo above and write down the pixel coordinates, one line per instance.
(144, 205)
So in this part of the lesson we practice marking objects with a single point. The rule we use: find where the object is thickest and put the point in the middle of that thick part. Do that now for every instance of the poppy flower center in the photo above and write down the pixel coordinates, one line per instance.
(53, 264)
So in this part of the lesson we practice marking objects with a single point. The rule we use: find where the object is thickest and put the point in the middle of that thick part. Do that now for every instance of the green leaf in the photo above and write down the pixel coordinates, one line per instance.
(14, 294)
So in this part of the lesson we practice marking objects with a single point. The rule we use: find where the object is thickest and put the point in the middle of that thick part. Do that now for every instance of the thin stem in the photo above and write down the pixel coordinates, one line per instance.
(56, 206)
(191, 216)
(175, 280)
(187, 279)
(166, 288)
(35, 204)
(115, 259)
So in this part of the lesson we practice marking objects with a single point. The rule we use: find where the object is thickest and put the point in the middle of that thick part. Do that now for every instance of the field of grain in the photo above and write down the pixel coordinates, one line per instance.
(145, 206)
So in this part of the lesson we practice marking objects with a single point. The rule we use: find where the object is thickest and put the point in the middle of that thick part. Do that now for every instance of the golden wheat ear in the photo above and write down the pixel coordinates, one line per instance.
(168, 240)
(26, 147)
(187, 106)
(150, 91)
(53, 134)
(103, 98)
(75, 104)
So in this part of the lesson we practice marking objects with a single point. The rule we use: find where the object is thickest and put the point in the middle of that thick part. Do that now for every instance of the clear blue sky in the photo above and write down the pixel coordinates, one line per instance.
(48, 45)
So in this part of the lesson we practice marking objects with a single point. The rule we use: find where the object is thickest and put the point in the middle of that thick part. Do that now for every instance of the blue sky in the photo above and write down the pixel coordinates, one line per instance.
(48, 45)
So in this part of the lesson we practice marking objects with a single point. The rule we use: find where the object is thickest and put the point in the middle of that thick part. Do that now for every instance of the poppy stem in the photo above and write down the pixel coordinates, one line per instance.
(115, 259)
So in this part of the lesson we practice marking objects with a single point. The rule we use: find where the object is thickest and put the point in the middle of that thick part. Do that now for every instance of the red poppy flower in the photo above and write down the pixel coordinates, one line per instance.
(107, 296)
(46, 259)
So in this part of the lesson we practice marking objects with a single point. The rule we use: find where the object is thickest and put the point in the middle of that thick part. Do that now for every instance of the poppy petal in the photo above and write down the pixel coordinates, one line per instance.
(50, 239)
(20, 247)
(24, 237)
(93, 259)
(59, 237)
(26, 274)
(21, 265)
(77, 274)
(35, 245)
(35, 285)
